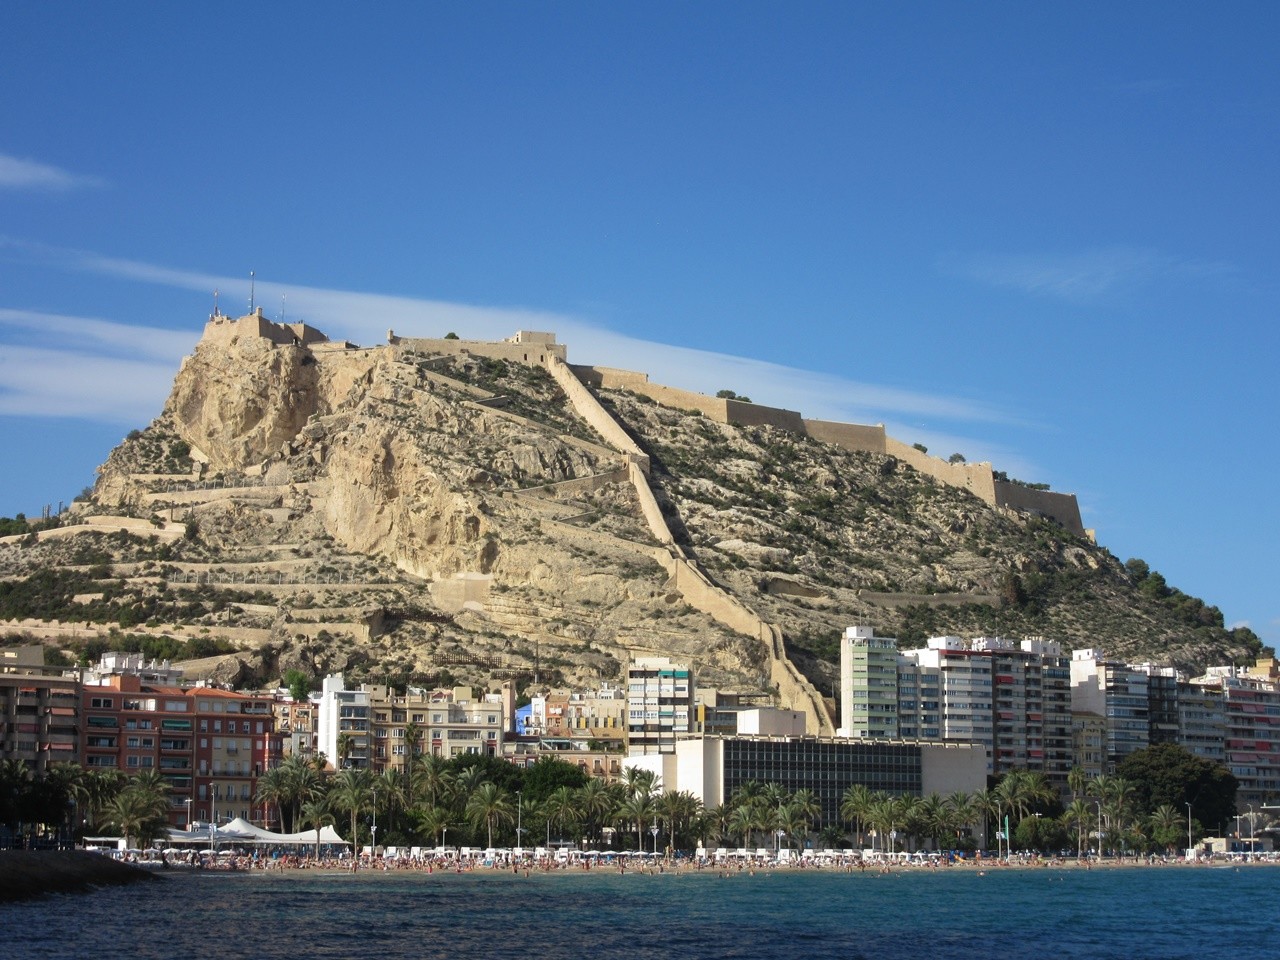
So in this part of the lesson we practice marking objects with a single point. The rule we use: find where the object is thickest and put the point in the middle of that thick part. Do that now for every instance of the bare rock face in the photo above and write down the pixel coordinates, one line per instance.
(237, 401)
(467, 498)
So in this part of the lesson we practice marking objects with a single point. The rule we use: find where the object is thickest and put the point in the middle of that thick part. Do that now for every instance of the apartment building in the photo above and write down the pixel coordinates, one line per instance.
(209, 745)
(599, 715)
(39, 710)
(660, 704)
(344, 725)
(1011, 699)
(1119, 693)
(869, 704)
(1251, 707)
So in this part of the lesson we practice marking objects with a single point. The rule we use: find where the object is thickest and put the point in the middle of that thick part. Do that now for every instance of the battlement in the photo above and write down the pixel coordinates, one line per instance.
(527, 346)
(223, 329)
(978, 478)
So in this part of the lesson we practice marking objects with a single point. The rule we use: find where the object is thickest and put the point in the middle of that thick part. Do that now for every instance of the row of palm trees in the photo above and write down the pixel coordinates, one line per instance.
(70, 799)
(492, 801)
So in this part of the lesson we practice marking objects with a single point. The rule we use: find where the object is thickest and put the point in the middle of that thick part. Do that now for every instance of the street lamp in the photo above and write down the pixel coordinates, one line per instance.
(1099, 803)
(375, 823)
(1188, 831)
(1251, 829)
(188, 803)
(777, 841)
(519, 819)
(654, 830)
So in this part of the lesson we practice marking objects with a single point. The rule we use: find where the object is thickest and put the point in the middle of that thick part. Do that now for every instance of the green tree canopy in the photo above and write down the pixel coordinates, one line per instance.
(548, 775)
(1167, 774)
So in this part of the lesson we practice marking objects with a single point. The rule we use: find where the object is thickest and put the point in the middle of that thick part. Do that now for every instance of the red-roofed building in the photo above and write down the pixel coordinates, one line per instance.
(210, 745)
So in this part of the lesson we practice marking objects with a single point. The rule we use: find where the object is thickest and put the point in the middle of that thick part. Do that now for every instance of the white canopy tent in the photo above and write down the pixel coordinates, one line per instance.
(242, 831)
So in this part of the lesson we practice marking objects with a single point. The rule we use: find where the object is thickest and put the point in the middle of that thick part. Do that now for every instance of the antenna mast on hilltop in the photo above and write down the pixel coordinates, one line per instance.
(216, 312)
(282, 296)
(251, 291)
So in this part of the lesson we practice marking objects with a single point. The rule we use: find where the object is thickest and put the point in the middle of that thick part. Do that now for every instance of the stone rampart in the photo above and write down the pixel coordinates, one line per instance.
(928, 599)
(849, 436)
(589, 409)
(744, 414)
(576, 488)
(514, 350)
(974, 477)
(649, 505)
(1061, 507)
(977, 478)
(223, 329)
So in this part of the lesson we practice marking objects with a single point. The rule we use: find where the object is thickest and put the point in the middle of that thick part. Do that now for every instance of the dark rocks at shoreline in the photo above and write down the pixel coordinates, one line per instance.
(25, 874)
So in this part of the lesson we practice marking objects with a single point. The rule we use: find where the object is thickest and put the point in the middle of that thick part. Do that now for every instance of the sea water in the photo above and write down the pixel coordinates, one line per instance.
(1139, 912)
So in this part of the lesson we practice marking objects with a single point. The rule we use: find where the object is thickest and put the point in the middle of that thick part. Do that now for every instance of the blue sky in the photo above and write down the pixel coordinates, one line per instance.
(1043, 235)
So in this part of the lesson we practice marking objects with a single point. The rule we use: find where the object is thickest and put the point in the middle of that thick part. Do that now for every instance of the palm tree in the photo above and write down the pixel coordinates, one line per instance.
(316, 813)
(596, 801)
(140, 810)
(792, 820)
(742, 821)
(1166, 825)
(854, 804)
(489, 804)
(431, 779)
(352, 791)
(809, 805)
(882, 814)
(391, 787)
(1079, 814)
(433, 821)
(987, 805)
(934, 818)
(639, 808)
(413, 735)
(1077, 781)
(346, 742)
(468, 781)
(301, 782)
(562, 806)
(964, 811)
(273, 790)
(640, 781)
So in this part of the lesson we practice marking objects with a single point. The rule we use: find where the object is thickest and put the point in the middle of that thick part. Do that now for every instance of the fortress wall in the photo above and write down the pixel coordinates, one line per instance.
(572, 488)
(649, 504)
(589, 408)
(224, 329)
(1061, 507)
(974, 477)
(754, 415)
(794, 691)
(538, 353)
(462, 387)
(567, 531)
(929, 599)
(610, 378)
(261, 492)
(859, 438)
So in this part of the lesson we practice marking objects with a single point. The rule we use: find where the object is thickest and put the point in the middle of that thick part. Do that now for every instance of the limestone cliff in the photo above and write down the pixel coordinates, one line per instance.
(445, 510)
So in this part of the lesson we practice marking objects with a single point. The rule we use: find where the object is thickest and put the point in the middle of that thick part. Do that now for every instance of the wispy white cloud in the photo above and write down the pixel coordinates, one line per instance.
(19, 174)
(1080, 277)
(89, 334)
(365, 318)
(38, 382)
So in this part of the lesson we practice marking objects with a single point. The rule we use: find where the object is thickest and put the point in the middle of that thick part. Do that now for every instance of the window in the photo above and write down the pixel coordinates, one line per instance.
(101, 703)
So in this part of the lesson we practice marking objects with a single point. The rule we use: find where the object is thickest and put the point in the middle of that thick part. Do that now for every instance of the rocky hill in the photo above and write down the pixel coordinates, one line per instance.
(440, 511)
